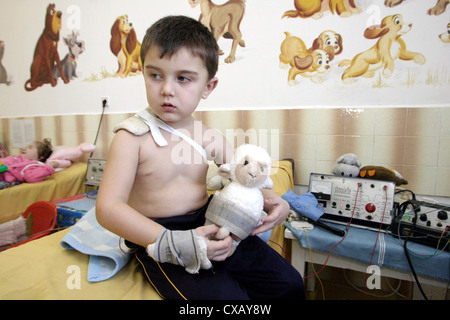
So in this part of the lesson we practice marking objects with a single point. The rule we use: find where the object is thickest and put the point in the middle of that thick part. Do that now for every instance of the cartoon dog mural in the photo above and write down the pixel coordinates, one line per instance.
(438, 9)
(69, 63)
(316, 8)
(46, 52)
(445, 37)
(382, 55)
(223, 21)
(125, 46)
(313, 63)
(3, 73)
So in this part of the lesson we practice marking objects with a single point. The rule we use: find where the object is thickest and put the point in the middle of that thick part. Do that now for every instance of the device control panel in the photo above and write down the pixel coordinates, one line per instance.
(371, 202)
(425, 222)
(94, 172)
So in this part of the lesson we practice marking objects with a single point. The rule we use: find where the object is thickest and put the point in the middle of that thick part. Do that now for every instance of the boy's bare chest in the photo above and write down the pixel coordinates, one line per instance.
(176, 160)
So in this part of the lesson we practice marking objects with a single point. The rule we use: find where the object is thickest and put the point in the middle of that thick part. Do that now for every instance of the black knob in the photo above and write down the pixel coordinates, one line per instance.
(442, 215)
(423, 217)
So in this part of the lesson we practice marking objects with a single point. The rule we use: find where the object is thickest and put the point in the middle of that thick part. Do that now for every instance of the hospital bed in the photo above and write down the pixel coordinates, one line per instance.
(43, 269)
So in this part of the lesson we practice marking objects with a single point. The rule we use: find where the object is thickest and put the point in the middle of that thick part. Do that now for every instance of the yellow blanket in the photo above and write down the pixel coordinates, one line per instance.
(42, 269)
(15, 200)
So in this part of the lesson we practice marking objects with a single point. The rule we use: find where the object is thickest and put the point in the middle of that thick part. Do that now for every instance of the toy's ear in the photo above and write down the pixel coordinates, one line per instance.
(224, 171)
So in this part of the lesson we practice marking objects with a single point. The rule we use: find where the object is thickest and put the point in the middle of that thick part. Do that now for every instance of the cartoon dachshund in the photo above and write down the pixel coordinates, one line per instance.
(223, 20)
(46, 52)
(438, 9)
(3, 73)
(310, 63)
(125, 46)
(382, 55)
(315, 8)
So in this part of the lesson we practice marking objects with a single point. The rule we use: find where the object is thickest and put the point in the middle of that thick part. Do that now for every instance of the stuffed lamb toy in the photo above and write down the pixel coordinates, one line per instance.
(238, 208)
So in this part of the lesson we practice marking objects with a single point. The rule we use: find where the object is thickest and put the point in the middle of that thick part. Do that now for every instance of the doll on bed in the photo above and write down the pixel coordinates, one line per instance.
(29, 166)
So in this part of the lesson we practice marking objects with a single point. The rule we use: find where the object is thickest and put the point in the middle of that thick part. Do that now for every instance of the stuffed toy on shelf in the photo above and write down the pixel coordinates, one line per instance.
(382, 173)
(347, 165)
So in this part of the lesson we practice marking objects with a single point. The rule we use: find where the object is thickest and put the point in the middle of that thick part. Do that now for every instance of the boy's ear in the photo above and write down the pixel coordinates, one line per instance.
(210, 86)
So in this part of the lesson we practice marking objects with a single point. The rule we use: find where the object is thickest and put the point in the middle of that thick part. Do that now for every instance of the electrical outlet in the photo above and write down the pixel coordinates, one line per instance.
(105, 102)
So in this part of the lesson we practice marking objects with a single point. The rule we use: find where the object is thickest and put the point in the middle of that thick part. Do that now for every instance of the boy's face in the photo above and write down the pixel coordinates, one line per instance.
(175, 85)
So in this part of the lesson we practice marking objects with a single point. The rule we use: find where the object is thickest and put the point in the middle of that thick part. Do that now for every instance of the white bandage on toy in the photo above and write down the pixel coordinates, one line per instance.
(232, 217)
(184, 248)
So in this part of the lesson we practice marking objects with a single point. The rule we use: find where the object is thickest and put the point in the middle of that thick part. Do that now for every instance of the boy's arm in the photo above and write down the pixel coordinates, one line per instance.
(112, 209)
(114, 213)
(277, 209)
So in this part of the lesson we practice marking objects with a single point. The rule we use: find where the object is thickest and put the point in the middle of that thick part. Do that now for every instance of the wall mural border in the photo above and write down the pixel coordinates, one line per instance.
(62, 57)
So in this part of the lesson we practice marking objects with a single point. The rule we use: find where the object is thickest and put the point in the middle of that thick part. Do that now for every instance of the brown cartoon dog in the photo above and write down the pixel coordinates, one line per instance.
(438, 9)
(312, 63)
(125, 46)
(316, 8)
(223, 21)
(46, 52)
(382, 55)
(445, 37)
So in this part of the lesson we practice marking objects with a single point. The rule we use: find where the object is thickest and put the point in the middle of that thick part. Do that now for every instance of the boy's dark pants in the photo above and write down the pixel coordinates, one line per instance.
(254, 271)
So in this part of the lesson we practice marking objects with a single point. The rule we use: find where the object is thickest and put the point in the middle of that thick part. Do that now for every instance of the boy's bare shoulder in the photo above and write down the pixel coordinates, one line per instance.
(126, 135)
(126, 141)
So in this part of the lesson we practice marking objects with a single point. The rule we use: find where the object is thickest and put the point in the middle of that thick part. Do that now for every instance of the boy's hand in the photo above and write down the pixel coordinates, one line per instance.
(217, 250)
(279, 210)
(181, 247)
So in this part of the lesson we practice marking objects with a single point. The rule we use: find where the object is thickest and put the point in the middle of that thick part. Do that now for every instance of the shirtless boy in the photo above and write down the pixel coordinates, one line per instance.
(147, 192)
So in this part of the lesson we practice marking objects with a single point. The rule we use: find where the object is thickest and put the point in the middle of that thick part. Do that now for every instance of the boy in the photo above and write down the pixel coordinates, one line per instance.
(148, 196)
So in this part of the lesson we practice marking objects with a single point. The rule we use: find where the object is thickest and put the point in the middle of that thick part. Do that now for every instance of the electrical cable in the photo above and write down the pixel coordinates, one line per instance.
(99, 124)
(405, 249)
(343, 238)
(378, 235)
(312, 265)
(394, 291)
(282, 249)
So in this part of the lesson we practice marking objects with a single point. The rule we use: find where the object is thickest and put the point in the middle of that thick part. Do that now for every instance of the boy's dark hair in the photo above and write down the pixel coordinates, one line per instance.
(172, 33)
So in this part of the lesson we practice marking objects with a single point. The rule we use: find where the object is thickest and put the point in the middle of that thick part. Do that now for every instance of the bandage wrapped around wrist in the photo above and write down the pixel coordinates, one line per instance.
(184, 248)
(231, 216)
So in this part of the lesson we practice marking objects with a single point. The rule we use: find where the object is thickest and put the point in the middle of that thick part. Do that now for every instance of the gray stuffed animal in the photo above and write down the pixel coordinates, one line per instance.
(347, 165)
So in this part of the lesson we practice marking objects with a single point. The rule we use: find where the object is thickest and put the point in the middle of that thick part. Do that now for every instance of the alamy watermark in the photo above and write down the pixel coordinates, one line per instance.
(73, 21)
(74, 280)
(212, 140)
(374, 280)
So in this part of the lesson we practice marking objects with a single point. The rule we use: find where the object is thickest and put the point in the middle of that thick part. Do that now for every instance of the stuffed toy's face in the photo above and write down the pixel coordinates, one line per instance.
(251, 172)
(347, 165)
(346, 170)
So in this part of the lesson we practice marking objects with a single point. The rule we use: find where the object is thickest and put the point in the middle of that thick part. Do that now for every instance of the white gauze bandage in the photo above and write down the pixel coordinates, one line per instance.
(184, 248)
(231, 216)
